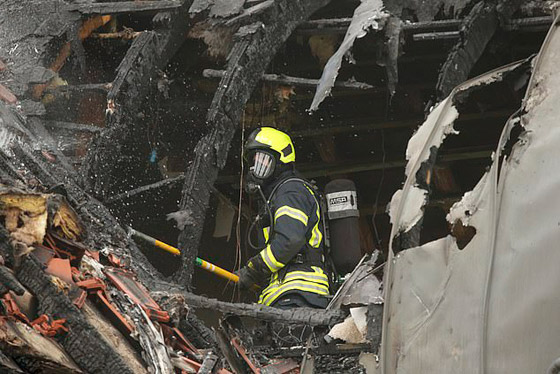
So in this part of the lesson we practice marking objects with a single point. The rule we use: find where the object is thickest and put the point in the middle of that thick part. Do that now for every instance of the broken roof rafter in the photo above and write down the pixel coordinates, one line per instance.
(314, 170)
(255, 47)
(292, 81)
(125, 7)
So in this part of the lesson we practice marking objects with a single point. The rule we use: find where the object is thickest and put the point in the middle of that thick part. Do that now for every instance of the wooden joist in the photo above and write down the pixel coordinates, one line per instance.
(90, 9)
(355, 125)
(303, 316)
(358, 166)
(436, 28)
(476, 31)
(73, 127)
(292, 81)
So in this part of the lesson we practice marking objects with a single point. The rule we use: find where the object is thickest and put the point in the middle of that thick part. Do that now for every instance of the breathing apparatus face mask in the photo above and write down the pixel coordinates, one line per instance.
(261, 167)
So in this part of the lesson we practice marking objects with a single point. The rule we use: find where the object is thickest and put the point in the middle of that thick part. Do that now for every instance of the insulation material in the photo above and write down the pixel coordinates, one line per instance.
(369, 15)
(25, 215)
(64, 218)
(348, 331)
(493, 306)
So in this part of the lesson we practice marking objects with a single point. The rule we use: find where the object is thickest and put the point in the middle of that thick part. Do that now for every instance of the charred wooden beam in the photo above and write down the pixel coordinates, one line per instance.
(96, 87)
(158, 187)
(254, 48)
(103, 228)
(249, 14)
(33, 351)
(357, 125)
(126, 34)
(442, 35)
(82, 342)
(354, 166)
(118, 149)
(298, 316)
(124, 7)
(476, 31)
(291, 81)
(340, 26)
(435, 28)
(73, 127)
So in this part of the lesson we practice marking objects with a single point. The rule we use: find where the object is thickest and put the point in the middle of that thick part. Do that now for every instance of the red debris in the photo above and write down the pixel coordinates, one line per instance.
(12, 308)
(47, 328)
(60, 267)
(114, 260)
(2, 65)
(125, 282)
(80, 300)
(243, 353)
(7, 95)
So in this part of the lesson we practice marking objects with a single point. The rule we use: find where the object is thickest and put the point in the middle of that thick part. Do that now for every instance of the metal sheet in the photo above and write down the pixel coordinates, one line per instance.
(493, 306)
(368, 15)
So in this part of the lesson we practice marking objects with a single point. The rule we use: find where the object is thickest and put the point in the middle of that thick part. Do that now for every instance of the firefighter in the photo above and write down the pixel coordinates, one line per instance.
(291, 261)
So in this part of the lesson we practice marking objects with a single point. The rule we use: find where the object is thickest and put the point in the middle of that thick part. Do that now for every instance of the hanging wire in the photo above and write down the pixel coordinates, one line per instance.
(380, 185)
(237, 264)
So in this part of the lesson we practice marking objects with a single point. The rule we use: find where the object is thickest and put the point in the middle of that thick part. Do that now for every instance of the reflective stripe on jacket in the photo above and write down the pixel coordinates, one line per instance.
(294, 253)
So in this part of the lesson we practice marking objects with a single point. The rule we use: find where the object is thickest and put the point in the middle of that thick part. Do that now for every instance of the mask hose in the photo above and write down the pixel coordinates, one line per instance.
(258, 218)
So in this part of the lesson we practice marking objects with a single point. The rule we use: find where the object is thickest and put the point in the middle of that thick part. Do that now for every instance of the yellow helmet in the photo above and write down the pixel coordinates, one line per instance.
(265, 147)
(266, 138)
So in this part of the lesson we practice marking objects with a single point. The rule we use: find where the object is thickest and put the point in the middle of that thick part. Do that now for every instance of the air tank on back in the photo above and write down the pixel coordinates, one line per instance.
(344, 229)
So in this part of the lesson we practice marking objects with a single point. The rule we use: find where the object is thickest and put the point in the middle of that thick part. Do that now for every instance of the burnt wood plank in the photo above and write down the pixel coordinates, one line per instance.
(291, 81)
(476, 31)
(124, 7)
(301, 316)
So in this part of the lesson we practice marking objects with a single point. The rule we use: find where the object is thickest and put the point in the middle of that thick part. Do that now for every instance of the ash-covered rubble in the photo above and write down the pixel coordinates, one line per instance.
(77, 293)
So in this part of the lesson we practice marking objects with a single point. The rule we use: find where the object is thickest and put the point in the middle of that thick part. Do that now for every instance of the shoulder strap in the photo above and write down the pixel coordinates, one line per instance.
(275, 189)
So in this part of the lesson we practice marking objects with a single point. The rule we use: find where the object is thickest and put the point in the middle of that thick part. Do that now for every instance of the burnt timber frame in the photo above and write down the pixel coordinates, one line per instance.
(254, 48)
(149, 52)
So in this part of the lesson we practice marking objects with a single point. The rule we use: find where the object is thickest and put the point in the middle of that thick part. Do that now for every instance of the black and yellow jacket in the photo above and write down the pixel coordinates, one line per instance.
(294, 255)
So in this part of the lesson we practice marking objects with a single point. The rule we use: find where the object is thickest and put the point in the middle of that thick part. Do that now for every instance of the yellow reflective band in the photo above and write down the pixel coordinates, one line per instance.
(266, 232)
(320, 279)
(317, 276)
(300, 286)
(291, 212)
(270, 261)
(316, 235)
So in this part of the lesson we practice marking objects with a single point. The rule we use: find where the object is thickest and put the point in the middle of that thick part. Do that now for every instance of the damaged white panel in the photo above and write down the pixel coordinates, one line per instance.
(416, 198)
(431, 134)
(369, 15)
(407, 211)
(493, 306)
(361, 287)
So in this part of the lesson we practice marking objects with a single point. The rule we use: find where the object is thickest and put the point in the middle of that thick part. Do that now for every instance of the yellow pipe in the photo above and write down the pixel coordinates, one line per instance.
(216, 270)
(198, 261)
(167, 247)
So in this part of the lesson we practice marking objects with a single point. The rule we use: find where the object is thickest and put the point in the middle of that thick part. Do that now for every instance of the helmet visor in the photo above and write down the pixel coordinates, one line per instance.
(263, 165)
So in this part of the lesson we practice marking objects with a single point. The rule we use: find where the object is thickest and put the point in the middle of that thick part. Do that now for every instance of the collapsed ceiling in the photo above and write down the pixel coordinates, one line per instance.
(124, 112)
